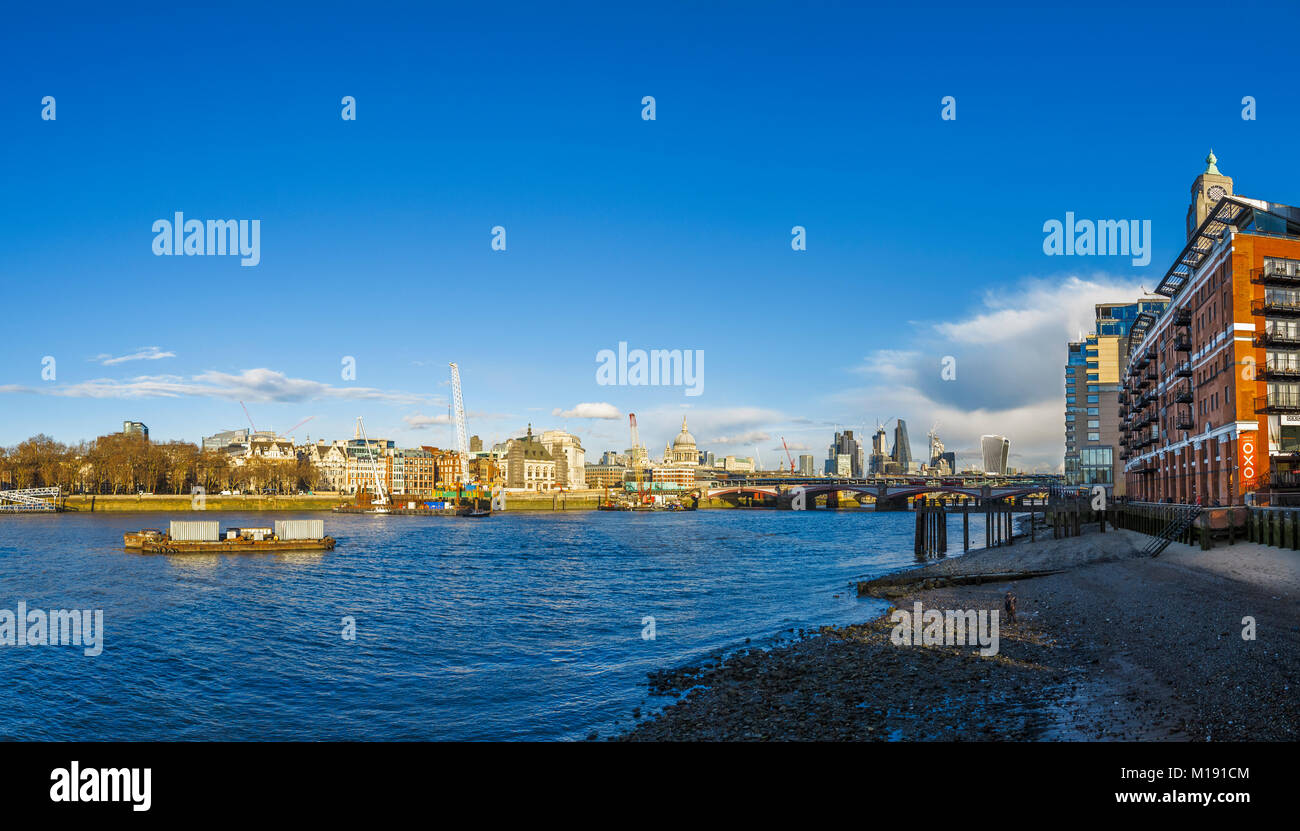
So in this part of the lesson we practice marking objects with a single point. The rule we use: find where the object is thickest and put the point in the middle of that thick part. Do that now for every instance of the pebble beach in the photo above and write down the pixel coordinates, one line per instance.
(1112, 646)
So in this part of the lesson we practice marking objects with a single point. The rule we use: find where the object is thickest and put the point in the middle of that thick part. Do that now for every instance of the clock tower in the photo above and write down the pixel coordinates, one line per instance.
(1207, 190)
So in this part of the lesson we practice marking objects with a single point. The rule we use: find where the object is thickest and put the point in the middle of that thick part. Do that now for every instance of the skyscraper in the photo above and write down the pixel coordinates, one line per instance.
(845, 445)
(902, 453)
(1092, 383)
(995, 450)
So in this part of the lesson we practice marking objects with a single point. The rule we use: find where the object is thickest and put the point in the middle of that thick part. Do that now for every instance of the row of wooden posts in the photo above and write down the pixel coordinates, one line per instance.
(1063, 516)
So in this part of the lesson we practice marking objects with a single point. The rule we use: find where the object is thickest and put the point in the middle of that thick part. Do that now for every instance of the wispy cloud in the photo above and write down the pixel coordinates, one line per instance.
(419, 421)
(145, 353)
(589, 409)
(250, 385)
(746, 439)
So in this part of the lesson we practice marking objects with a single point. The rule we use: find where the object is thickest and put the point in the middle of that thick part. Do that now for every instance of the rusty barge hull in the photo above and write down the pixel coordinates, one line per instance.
(233, 546)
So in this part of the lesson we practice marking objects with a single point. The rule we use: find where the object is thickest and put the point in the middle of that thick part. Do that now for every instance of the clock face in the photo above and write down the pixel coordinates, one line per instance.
(1216, 193)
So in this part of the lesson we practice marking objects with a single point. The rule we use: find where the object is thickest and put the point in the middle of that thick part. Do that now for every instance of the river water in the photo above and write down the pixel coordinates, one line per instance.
(520, 626)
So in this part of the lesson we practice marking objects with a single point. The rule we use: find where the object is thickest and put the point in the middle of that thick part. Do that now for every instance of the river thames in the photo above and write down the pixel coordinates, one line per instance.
(522, 626)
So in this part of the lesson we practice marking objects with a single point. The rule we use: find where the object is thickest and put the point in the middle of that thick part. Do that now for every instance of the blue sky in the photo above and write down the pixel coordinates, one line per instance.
(924, 236)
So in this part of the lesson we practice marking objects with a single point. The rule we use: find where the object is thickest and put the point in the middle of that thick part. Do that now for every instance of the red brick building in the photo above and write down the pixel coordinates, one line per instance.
(1210, 404)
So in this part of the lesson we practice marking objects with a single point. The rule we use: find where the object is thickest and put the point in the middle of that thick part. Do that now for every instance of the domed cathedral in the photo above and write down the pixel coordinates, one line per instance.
(683, 450)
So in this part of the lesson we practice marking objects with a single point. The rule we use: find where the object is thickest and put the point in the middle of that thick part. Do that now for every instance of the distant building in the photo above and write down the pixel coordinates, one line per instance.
(475, 444)
(234, 442)
(737, 464)
(807, 465)
(902, 453)
(845, 444)
(528, 464)
(605, 475)
(135, 428)
(995, 450)
(570, 458)
(330, 461)
(613, 457)
(879, 451)
(945, 463)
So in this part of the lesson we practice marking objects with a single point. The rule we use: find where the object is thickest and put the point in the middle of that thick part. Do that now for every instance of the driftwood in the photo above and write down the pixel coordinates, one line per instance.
(900, 584)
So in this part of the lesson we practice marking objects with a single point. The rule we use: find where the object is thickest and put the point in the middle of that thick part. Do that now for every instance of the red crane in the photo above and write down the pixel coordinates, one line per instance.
(787, 454)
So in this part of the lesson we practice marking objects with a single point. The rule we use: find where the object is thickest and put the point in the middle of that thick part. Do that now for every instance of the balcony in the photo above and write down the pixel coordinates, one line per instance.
(1280, 371)
(1282, 337)
(1184, 421)
(1278, 402)
(1269, 277)
(1284, 479)
(1183, 396)
(1183, 370)
(1183, 317)
(1182, 343)
(1275, 308)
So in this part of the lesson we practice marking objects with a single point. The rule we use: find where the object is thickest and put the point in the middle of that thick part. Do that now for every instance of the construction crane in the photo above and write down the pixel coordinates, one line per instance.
(299, 424)
(787, 453)
(462, 435)
(381, 497)
(249, 417)
(636, 453)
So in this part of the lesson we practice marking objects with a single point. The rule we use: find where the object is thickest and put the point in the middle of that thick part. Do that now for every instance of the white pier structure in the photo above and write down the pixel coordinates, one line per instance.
(28, 499)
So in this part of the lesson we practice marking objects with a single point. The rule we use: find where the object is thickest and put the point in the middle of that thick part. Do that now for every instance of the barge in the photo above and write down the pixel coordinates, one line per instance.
(202, 538)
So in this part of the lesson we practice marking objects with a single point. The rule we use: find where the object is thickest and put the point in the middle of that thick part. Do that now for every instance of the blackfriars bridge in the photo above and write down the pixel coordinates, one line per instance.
(890, 494)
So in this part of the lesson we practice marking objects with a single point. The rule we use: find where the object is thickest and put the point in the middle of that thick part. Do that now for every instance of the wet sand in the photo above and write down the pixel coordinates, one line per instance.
(1116, 647)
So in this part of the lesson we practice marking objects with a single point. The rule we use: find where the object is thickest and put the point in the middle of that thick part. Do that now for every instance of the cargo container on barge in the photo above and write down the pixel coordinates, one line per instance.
(204, 537)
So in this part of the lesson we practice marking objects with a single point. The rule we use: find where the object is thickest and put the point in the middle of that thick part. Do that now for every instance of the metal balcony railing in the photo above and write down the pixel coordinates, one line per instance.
(1284, 478)
(1281, 401)
(1182, 344)
(1275, 369)
(1278, 337)
(1183, 370)
(1275, 307)
(1183, 396)
(1263, 276)
(1183, 317)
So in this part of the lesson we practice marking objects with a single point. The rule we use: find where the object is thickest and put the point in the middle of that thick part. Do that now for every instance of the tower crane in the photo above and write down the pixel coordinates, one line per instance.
(462, 435)
(381, 497)
(787, 453)
(636, 453)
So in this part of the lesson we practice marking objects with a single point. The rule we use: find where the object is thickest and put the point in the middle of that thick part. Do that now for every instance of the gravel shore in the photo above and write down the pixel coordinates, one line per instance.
(1116, 647)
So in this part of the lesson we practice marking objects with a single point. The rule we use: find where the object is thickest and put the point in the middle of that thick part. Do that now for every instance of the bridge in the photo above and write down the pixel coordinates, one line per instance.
(28, 500)
(887, 493)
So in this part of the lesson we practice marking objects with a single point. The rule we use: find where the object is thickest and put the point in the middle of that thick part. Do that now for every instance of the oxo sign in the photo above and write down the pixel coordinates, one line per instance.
(1246, 459)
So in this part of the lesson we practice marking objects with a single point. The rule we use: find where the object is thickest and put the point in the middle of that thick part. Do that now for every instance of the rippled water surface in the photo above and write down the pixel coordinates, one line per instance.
(518, 626)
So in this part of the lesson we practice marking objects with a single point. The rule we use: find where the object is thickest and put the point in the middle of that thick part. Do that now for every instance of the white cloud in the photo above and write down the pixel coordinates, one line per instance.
(589, 410)
(1010, 355)
(746, 439)
(419, 421)
(250, 385)
(145, 353)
